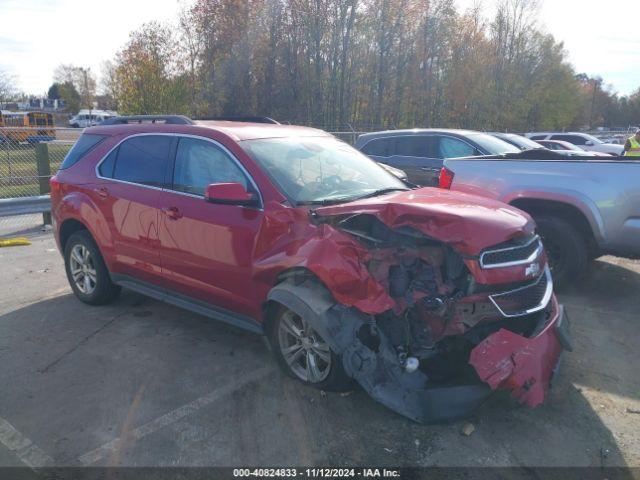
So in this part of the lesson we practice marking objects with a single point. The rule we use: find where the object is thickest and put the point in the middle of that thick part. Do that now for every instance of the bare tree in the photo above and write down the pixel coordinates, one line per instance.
(7, 86)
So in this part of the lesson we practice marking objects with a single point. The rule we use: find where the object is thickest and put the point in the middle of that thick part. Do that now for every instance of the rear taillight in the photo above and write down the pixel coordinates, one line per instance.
(446, 178)
(55, 186)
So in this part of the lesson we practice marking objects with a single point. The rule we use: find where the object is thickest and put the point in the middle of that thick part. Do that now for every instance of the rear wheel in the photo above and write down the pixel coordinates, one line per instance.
(566, 249)
(304, 354)
(86, 270)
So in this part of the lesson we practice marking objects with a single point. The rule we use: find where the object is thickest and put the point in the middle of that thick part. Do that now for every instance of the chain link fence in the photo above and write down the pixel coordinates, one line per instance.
(28, 158)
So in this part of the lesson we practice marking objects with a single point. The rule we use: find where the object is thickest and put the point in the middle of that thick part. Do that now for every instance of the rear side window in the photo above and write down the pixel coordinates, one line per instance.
(415, 146)
(380, 147)
(84, 145)
(143, 160)
(538, 137)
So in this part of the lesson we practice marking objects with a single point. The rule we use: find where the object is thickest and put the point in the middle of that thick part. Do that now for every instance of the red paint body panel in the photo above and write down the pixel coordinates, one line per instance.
(207, 251)
(522, 365)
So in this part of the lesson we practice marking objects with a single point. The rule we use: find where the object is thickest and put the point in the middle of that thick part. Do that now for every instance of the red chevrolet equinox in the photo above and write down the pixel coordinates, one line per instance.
(428, 299)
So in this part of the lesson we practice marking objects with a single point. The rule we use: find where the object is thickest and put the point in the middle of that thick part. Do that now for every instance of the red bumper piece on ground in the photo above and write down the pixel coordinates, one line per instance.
(523, 365)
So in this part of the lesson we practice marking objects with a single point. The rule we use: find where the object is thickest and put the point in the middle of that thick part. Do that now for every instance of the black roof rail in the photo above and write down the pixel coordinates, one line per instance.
(248, 119)
(170, 119)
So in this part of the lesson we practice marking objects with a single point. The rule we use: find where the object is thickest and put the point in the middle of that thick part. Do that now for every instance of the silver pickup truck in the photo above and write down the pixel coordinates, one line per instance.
(584, 207)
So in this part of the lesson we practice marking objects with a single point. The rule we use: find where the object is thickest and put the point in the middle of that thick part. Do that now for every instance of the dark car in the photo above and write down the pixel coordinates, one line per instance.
(428, 298)
(420, 152)
(523, 143)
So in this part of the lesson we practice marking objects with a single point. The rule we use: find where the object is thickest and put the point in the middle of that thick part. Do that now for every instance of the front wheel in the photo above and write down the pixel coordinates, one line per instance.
(304, 354)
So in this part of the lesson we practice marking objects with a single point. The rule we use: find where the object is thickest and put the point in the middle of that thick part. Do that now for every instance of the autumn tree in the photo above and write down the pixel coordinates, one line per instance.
(146, 73)
(364, 63)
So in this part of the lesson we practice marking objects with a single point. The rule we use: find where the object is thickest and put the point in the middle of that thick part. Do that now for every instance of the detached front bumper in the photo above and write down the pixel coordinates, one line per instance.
(525, 366)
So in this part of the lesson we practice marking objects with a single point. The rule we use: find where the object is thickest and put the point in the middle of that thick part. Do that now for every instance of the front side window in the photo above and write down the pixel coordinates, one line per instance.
(319, 170)
(143, 160)
(450, 147)
(492, 145)
(200, 163)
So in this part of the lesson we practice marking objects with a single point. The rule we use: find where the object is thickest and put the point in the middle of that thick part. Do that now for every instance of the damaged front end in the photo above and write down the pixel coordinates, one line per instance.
(451, 327)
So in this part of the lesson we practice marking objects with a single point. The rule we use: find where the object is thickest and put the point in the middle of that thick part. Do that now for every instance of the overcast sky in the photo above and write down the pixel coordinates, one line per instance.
(602, 38)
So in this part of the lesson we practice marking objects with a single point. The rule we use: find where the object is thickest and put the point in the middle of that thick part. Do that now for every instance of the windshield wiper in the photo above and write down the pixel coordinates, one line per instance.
(334, 200)
(381, 191)
(325, 201)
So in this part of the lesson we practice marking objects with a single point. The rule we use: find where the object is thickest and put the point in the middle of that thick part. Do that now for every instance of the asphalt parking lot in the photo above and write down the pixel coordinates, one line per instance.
(146, 384)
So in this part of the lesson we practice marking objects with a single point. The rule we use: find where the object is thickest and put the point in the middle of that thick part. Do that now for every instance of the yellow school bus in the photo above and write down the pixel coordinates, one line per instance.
(31, 127)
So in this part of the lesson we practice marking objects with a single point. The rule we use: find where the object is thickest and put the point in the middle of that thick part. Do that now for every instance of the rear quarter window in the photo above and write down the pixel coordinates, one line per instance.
(380, 147)
(84, 145)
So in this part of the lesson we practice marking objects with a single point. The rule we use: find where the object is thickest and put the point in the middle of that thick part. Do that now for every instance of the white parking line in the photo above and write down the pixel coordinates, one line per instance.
(27, 451)
(108, 448)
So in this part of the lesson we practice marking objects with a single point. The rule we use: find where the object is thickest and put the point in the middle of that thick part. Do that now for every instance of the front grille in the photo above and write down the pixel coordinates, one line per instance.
(512, 255)
(525, 300)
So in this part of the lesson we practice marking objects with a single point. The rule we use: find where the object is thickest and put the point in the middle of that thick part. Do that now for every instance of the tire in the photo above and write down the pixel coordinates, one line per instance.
(92, 285)
(566, 248)
(332, 378)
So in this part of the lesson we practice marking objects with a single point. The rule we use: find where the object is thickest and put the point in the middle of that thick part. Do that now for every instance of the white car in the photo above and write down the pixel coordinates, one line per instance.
(583, 140)
(84, 120)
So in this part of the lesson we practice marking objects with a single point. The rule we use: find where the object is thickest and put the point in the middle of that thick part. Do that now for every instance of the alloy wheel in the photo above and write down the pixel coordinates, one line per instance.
(305, 352)
(82, 269)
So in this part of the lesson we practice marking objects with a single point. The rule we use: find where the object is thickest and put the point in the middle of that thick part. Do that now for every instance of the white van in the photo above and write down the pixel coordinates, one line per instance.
(85, 119)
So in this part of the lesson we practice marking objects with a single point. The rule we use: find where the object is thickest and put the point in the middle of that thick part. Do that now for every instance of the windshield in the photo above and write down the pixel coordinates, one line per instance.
(493, 145)
(316, 170)
(523, 142)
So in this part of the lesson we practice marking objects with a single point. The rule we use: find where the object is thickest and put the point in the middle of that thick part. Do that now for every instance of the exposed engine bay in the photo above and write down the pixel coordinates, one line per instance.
(444, 345)
(440, 312)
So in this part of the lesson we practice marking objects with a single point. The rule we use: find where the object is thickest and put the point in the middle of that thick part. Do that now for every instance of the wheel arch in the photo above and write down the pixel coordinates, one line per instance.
(293, 275)
(68, 228)
(566, 211)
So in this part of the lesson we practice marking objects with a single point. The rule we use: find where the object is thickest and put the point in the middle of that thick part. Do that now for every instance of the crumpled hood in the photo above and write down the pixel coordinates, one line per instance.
(469, 223)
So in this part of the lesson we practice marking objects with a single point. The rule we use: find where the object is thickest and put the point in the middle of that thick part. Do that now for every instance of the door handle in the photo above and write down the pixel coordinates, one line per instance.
(102, 192)
(172, 212)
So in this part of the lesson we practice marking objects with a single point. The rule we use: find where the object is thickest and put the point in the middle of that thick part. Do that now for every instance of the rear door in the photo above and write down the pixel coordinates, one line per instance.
(131, 179)
(206, 248)
(414, 154)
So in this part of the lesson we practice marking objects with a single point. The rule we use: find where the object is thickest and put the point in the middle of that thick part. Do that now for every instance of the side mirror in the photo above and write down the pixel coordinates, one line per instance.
(589, 143)
(230, 194)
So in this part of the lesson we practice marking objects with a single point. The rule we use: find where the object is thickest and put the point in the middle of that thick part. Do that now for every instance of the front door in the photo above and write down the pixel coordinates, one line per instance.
(206, 249)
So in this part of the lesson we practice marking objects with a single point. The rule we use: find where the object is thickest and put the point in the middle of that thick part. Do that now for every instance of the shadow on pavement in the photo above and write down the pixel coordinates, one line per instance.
(77, 377)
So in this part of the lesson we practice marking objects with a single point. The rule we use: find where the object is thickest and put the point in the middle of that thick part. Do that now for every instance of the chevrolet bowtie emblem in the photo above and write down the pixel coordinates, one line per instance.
(532, 270)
